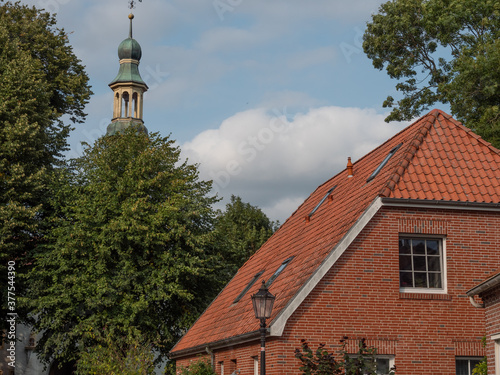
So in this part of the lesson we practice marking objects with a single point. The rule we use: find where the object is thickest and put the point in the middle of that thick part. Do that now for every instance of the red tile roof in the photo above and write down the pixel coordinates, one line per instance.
(439, 160)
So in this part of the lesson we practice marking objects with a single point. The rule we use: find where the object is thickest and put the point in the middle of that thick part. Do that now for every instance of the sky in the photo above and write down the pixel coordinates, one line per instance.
(270, 97)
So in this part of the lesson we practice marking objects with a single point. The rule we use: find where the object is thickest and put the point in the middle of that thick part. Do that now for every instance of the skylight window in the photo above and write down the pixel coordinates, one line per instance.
(384, 162)
(254, 279)
(278, 271)
(322, 200)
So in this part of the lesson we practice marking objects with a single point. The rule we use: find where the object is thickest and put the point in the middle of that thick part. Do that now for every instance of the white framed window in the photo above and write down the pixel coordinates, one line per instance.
(256, 366)
(422, 268)
(383, 363)
(465, 365)
(221, 368)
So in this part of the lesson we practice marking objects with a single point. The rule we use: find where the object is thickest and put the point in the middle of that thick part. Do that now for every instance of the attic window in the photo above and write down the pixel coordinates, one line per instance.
(321, 201)
(384, 162)
(254, 279)
(278, 271)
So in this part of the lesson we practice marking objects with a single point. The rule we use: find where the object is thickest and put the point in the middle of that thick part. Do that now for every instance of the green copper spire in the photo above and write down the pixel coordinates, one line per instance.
(128, 87)
(130, 53)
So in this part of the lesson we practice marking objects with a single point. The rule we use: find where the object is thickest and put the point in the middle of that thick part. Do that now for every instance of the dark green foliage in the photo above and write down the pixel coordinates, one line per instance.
(239, 232)
(444, 51)
(128, 248)
(321, 362)
(106, 355)
(41, 81)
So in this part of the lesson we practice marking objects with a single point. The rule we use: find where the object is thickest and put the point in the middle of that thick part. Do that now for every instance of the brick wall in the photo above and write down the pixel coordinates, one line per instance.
(360, 297)
(492, 304)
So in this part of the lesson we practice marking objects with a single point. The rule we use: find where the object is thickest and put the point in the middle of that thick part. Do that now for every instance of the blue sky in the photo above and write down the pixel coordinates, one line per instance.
(270, 97)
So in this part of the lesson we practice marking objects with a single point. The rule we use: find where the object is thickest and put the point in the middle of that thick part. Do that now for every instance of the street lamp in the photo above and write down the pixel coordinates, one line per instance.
(262, 306)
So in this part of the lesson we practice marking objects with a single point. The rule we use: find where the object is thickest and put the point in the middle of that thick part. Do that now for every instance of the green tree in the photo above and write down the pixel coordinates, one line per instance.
(444, 51)
(42, 81)
(239, 232)
(107, 355)
(128, 248)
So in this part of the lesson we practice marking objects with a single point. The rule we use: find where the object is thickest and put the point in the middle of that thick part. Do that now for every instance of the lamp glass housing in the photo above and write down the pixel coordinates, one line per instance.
(263, 302)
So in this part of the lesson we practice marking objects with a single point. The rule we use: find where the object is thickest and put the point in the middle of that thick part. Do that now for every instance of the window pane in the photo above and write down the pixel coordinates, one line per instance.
(435, 280)
(405, 279)
(420, 279)
(473, 363)
(419, 263)
(382, 365)
(432, 247)
(419, 247)
(462, 366)
(405, 262)
(434, 263)
(404, 246)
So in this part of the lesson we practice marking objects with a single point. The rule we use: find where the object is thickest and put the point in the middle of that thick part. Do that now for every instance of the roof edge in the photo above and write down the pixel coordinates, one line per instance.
(485, 285)
(451, 205)
(410, 152)
(235, 340)
(277, 326)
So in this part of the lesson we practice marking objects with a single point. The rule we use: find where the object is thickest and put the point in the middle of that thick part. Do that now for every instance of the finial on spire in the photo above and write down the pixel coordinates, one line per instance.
(131, 17)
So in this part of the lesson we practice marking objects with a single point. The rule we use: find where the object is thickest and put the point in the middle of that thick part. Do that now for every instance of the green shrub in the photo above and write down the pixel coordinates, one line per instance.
(321, 362)
(200, 367)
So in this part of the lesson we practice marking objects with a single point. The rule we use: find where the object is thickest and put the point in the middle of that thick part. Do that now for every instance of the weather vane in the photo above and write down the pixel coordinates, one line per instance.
(132, 4)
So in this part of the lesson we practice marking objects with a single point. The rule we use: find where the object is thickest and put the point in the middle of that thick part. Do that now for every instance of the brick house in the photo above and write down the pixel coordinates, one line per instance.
(489, 291)
(385, 250)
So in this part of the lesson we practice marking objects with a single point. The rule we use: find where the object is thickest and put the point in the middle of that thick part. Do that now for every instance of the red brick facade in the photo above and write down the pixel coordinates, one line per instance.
(360, 297)
(489, 291)
(492, 305)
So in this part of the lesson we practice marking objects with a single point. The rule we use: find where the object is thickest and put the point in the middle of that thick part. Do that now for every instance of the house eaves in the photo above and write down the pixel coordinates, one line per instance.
(490, 283)
(206, 348)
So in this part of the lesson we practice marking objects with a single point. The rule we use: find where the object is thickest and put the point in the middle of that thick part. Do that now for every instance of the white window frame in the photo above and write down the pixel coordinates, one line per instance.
(468, 358)
(255, 365)
(390, 357)
(444, 289)
(496, 340)
(221, 368)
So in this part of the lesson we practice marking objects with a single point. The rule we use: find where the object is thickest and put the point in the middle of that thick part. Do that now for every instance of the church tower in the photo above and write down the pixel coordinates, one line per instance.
(128, 88)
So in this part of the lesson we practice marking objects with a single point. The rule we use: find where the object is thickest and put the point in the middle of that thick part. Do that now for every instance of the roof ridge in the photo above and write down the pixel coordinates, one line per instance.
(411, 149)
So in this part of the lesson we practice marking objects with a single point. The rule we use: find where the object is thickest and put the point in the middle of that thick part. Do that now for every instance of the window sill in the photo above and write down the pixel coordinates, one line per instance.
(432, 296)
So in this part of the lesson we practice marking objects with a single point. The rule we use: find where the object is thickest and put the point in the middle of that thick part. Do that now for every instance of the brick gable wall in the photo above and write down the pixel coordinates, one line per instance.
(492, 305)
(360, 297)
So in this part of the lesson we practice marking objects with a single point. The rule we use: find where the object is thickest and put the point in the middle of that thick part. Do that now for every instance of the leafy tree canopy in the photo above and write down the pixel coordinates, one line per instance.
(128, 249)
(41, 81)
(240, 231)
(444, 51)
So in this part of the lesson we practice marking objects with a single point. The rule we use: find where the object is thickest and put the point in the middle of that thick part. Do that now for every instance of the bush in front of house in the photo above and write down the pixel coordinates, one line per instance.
(199, 367)
(321, 362)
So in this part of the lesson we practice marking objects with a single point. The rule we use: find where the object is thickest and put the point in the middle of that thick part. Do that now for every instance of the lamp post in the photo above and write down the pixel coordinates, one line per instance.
(262, 306)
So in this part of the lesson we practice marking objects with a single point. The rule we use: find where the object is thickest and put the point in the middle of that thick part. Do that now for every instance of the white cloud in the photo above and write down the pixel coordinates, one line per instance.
(274, 161)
